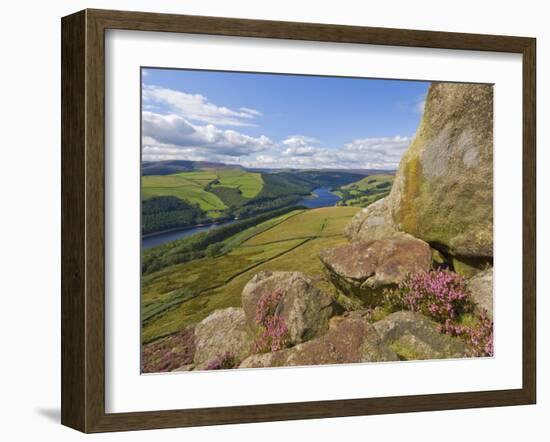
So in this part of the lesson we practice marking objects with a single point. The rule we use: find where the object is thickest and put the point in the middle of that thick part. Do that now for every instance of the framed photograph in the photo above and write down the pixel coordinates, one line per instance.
(267, 221)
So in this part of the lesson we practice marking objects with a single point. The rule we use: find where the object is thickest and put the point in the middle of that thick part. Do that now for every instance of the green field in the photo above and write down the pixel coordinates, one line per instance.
(184, 294)
(195, 187)
(365, 191)
(249, 184)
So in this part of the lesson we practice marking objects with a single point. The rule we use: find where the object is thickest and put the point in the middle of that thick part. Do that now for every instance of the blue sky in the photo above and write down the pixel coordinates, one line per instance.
(266, 120)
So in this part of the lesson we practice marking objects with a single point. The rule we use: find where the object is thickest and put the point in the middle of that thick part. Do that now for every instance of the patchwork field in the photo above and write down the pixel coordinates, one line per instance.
(184, 294)
(196, 187)
(365, 191)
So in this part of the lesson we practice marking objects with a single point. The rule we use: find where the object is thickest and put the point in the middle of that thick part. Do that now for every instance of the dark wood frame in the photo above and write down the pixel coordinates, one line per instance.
(83, 216)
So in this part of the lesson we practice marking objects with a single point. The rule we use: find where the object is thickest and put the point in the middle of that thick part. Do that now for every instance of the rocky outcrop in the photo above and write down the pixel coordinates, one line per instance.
(443, 189)
(364, 268)
(303, 306)
(481, 290)
(414, 336)
(351, 340)
(223, 332)
(373, 222)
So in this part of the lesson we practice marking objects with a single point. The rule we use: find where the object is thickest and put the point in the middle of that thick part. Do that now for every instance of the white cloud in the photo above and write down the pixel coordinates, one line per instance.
(301, 151)
(195, 107)
(299, 141)
(253, 112)
(172, 135)
(366, 153)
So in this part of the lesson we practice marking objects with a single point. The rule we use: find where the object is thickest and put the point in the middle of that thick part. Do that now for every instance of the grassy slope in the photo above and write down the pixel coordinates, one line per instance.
(190, 186)
(364, 192)
(197, 288)
(250, 184)
(369, 182)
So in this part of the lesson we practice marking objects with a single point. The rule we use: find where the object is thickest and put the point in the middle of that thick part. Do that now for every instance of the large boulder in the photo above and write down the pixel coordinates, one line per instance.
(414, 336)
(443, 189)
(373, 222)
(481, 289)
(352, 340)
(365, 268)
(304, 307)
(222, 332)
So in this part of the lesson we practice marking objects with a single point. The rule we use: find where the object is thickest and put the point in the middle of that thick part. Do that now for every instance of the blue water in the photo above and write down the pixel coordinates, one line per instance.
(161, 238)
(322, 197)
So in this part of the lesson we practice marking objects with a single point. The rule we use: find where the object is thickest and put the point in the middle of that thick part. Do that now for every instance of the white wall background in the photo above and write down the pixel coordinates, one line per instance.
(30, 217)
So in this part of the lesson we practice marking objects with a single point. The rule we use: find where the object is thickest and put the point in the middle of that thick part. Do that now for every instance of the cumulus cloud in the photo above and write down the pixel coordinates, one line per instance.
(175, 137)
(179, 125)
(366, 153)
(385, 151)
(300, 145)
(299, 141)
(301, 151)
(196, 107)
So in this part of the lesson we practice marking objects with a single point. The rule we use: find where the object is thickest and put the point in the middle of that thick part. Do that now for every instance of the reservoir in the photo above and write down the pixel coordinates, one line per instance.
(321, 197)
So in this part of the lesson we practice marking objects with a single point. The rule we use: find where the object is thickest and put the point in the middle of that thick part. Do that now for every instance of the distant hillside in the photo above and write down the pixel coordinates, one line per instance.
(363, 172)
(176, 166)
(197, 194)
(365, 191)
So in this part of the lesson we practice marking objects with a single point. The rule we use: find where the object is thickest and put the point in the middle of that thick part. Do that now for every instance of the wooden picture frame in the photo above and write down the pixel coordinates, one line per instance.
(83, 220)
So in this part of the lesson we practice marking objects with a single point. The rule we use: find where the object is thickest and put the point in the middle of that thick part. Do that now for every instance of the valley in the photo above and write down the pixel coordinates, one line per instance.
(220, 226)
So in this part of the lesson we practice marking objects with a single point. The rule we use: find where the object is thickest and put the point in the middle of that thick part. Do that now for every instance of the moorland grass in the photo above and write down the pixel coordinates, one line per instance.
(184, 294)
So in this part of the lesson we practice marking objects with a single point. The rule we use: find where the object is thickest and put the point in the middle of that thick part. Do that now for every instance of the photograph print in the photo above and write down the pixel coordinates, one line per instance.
(302, 220)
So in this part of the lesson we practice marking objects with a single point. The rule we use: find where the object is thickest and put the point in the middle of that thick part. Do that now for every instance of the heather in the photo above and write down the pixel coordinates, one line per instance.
(478, 337)
(439, 294)
(169, 353)
(443, 296)
(273, 334)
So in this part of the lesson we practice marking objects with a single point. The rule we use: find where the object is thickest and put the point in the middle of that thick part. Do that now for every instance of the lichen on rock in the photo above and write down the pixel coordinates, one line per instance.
(443, 191)
(413, 336)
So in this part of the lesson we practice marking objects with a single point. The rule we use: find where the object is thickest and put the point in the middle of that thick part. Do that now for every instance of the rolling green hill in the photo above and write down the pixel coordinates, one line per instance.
(223, 193)
(365, 191)
(195, 187)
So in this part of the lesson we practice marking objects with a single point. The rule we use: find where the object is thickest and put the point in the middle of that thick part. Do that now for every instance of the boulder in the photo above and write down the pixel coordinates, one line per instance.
(481, 289)
(365, 268)
(373, 222)
(443, 190)
(223, 331)
(304, 307)
(352, 340)
(413, 336)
